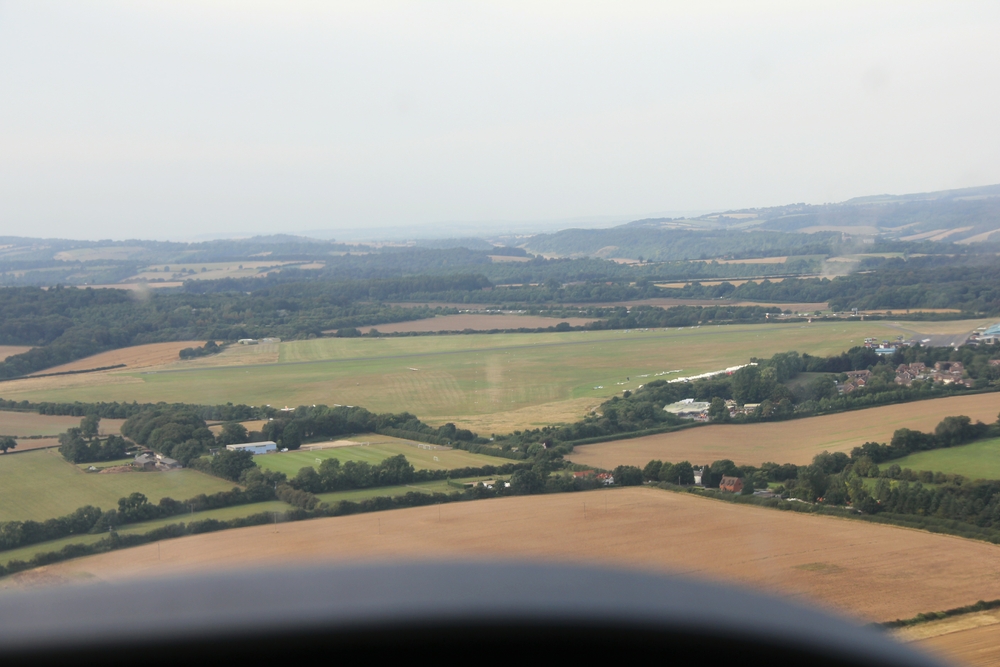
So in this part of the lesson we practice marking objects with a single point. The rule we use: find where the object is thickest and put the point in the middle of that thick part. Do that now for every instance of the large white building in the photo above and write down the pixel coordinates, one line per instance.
(265, 447)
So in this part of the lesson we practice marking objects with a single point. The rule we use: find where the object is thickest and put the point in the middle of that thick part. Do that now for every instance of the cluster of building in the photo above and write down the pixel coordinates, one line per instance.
(605, 478)
(855, 380)
(689, 408)
(987, 336)
(884, 347)
(944, 372)
(150, 460)
(262, 341)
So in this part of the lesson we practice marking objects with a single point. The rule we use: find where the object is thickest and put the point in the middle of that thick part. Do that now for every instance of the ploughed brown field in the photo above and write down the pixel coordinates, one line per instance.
(796, 441)
(476, 322)
(868, 571)
(139, 356)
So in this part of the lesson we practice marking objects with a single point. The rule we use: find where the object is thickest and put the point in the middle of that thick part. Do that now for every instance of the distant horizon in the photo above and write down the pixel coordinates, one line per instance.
(177, 120)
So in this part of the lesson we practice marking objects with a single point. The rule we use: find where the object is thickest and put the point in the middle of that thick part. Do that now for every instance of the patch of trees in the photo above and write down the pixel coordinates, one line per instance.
(969, 283)
(209, 348)
(292, 429)
(950, 432)
(681, 316)
(83, 444)
(179, 433)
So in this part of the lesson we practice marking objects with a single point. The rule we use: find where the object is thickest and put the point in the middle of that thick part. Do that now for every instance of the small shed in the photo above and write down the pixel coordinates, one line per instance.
(731, 484)
(255, 448)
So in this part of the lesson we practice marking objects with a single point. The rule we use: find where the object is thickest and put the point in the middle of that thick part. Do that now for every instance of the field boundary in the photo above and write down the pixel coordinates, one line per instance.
(48, 375)
(928, 616)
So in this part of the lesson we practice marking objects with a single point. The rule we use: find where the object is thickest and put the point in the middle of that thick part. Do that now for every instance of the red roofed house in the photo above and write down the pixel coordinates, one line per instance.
(731, 484)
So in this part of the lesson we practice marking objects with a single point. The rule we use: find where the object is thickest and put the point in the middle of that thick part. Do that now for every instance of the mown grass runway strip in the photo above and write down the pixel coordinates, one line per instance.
(489, 383)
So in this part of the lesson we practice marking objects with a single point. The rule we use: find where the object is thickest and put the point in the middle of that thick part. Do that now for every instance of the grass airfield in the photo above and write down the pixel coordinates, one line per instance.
(489, 383)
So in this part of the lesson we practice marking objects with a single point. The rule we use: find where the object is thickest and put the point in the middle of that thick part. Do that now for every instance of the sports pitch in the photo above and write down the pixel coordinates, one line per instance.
(489, 383)
(422, 459)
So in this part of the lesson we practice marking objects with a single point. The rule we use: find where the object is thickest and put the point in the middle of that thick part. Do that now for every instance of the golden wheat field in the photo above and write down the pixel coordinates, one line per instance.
(11, 350)
(868, 571)
(796, 441)
(140, 356)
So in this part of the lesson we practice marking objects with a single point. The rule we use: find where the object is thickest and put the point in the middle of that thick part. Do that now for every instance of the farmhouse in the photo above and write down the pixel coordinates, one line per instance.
(265, 447)
(731, 484)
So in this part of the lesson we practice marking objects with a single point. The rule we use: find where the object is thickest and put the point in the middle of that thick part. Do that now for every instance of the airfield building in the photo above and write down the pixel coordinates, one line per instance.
(265, 447)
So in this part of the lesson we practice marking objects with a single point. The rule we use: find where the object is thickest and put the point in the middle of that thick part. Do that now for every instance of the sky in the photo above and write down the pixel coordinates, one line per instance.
(173, 120)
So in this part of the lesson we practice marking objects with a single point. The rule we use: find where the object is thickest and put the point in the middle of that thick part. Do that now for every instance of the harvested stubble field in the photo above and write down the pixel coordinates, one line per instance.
(31, 423)
(489, 383)
(870, 571)
(41, 485)
(140, 356)
(28, 444)
(11, 350)
(252, 425)
(971, 639)
(223, 514)
(661, 302)
(796, 441)
(476, 322)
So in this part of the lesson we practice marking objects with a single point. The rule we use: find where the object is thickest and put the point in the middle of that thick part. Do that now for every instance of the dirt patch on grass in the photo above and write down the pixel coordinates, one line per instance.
(139, 356)
(253, 425)
(476, 322)
(796, 441)
(875, 572)
(534, 416)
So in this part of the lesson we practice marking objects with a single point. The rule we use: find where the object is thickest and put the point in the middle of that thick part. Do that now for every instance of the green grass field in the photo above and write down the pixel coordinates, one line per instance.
(391, 491)
(978, 460)
(41, 485)
(291, 462)
(463, 378)
(223, 514)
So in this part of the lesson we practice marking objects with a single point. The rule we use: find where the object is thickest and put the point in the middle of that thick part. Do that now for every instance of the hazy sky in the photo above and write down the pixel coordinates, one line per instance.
(173, 119)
